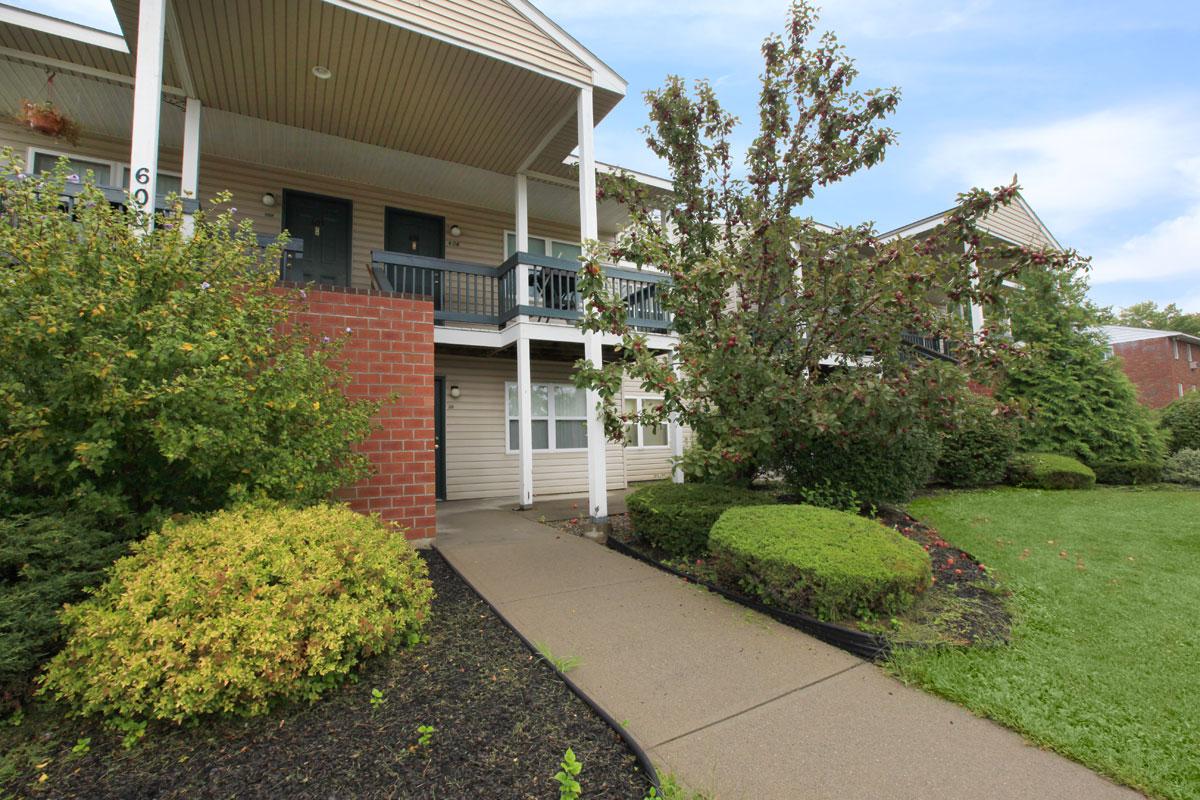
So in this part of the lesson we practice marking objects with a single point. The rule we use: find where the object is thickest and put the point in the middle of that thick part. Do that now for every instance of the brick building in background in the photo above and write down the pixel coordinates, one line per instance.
(1162, 364)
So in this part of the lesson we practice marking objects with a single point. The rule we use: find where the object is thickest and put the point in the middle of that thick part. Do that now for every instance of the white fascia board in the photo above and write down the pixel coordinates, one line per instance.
(612, 169)
(63, 28)
(603, 76)
(544, 331)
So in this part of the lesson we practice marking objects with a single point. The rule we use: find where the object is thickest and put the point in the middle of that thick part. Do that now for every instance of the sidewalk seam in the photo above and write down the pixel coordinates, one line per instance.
(769, 700)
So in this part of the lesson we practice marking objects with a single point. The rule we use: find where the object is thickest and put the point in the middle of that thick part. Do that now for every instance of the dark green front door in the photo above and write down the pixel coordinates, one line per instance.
(439, 436)
(324, 225)
(414, 234)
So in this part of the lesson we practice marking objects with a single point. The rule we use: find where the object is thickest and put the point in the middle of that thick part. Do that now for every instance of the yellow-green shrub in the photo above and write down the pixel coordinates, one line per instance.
(228, 612)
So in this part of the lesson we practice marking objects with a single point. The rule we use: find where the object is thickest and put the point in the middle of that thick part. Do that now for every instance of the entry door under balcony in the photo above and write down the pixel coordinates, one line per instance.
(324, 223)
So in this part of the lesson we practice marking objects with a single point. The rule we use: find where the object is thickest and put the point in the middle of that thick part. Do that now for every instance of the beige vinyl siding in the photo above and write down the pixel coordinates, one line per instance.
(481, 242)
(1014, 222)
(491, 25)
(646, 463)
(477, 464)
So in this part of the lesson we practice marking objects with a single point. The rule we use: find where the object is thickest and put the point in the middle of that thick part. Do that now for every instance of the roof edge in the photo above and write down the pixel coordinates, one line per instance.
(75, 31)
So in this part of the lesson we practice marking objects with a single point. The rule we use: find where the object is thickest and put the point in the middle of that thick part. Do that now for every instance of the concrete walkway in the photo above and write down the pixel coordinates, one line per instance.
(731, 702)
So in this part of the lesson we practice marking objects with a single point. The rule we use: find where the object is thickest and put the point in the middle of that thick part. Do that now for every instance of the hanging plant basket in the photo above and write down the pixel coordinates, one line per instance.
(46, 119)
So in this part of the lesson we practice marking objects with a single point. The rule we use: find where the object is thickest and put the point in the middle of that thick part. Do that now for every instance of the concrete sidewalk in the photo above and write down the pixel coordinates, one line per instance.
(731, 702)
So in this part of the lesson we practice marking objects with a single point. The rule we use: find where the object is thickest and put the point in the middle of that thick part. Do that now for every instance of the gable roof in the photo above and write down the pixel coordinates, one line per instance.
(1121, 334)
(1016, 223)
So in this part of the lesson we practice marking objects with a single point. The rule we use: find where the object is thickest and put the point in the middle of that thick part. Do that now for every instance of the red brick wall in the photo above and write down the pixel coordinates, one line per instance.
(1152, 366)
(389, 352)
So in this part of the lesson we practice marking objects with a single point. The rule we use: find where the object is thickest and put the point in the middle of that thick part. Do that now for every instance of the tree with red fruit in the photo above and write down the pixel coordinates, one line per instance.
(790, 354)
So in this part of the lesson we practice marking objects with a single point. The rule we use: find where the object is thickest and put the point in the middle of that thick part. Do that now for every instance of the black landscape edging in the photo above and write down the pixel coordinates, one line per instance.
(864, 645)
(644, 760)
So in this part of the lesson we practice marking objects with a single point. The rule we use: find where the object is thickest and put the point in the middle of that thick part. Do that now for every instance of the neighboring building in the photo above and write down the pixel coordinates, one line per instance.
(413, 147)
(1162, 364)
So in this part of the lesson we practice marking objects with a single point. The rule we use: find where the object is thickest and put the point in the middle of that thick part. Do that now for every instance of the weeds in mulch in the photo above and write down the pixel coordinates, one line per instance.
(472, 713)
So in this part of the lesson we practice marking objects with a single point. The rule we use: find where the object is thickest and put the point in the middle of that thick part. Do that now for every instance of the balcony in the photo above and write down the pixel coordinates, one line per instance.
(477, 294)
(929, 346)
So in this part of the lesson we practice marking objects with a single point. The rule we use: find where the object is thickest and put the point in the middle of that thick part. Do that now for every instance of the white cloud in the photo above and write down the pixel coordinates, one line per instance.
(1076, 170)
(1171, 249)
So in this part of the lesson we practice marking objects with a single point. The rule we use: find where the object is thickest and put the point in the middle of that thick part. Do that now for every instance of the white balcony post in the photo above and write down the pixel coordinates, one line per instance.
(976, 309)
(525, 415)
(522, 228)
(675, 431)
(592, 349)
(189, 184)
(147, 102)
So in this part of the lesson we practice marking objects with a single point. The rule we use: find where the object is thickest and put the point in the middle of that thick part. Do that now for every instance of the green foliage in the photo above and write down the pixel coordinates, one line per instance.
(568, 777)
(1080, 401)
(45, 560)
(1181, 421)
(827, 494)
(877, 464)
(1103, 649)
(1049, 471)
(818, 561)
(977, 451)
(791, 336)
(1183, 467)
(144, 373)
(563, 664)
(676, 517)
(425, 735)
(229, 612)
(1148, 315)
(378, 699)
(1128, 473)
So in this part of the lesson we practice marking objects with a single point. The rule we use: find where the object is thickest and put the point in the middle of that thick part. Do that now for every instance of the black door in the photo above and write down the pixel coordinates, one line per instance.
(324, 225)
(439, 436)
(413, 233)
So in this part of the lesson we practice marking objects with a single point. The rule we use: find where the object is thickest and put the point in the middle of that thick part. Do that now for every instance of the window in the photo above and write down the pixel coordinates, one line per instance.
(166, 184)
(1175, 342)
(541, 247)
(1181, 390)
(559, 417)
(643, 435)
(106, 173)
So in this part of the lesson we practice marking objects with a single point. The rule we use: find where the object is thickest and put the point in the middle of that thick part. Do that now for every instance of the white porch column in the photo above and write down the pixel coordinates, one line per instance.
(147, 101)
(522, 229)
(592, 350)
(190, 172)
(976, 309)
(524, 380)
(675, 431)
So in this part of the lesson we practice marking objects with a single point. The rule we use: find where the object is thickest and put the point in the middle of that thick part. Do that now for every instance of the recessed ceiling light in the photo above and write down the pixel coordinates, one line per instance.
(324, 73)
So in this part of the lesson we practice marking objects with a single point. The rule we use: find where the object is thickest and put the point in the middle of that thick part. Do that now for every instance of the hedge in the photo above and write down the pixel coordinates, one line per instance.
(830, 564)
(1181, 421)
(676, 517)
(977, 451)
(1127, 473)
(230, 612)
(1050, 471)
(1183, 467)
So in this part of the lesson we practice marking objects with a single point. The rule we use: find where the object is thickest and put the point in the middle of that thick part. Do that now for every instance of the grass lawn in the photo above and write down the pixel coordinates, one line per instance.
(1104, 663)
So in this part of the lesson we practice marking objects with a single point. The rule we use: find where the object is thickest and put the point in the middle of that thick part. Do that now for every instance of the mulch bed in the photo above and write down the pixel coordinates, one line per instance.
(965, 606)
(503, 719)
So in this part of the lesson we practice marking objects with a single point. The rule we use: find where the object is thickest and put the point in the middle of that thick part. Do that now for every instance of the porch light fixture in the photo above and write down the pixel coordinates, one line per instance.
(324, 73)
(455, 231)
(268, 199)
(455, 391)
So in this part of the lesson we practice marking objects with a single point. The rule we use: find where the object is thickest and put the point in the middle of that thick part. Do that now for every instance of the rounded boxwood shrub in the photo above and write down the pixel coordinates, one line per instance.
(977, 451)
(1050, 471)
(1127, 473)
(818, 561)
(676, 517)
(1183, 467)
(1181, 421)
(229, 612)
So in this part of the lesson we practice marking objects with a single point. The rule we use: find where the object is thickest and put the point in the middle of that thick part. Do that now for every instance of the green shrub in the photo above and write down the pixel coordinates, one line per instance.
(676, 517)
(815, 560)
(1127, 473)
(229, 612)
(1050, 471)
(827, 494)
(1181, 421)
(1183, 467)
(887, 468)
(45, 561)
(977, 451)
(150, 374)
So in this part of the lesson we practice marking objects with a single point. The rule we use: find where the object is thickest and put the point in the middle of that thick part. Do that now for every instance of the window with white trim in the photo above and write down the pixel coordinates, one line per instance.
(559, 417)
(539, 246)
(1175, 342)
(109, 174)
(644, 436)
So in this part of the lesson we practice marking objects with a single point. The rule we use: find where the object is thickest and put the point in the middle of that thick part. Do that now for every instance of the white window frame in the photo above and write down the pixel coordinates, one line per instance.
(116, 169)
(547, 240)
(641, 400)
(551, 419)
(1175, 342)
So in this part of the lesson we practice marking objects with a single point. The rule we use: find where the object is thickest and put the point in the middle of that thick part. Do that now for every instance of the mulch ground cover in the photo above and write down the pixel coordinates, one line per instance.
(502, 720)
(964, 607)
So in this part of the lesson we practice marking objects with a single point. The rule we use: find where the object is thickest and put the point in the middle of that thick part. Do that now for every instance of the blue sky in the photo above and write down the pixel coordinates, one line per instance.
(1094, 105)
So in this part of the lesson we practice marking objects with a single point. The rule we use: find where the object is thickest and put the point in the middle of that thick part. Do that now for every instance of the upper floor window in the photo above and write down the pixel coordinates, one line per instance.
(110, 174)
(539, 246)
